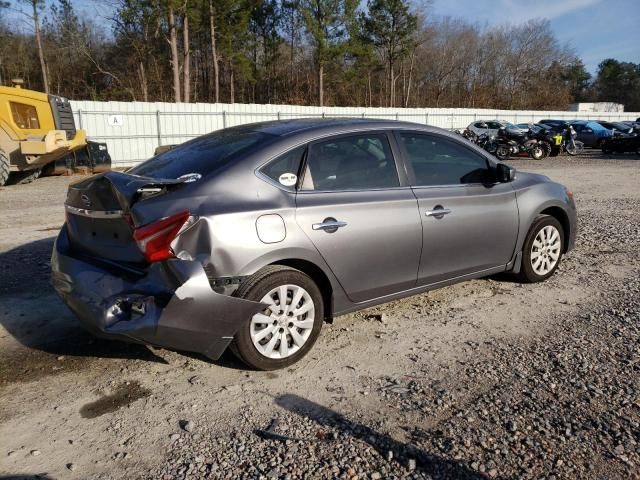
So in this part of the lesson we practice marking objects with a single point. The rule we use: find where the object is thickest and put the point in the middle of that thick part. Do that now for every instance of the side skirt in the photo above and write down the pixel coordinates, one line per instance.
(353, 307)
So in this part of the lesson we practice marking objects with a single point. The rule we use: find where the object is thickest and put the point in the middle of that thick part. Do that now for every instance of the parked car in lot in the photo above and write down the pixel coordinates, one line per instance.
(591, 133)
(252, 236)
(554, 123)
(634, 125)
(622, 144)
(491, 127)
(618, 128)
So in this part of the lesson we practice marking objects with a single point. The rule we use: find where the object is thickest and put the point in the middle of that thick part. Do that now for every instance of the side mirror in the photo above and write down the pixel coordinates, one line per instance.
(505, 173)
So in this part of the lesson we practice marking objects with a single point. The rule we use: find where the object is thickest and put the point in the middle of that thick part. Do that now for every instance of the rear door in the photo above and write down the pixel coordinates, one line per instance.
(469, 222)
(359, 215)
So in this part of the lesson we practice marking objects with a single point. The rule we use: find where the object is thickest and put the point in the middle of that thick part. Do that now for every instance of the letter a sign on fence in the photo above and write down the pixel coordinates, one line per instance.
(115, 120)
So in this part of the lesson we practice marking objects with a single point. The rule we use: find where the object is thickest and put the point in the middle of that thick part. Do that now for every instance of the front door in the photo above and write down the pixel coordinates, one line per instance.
(469, 222)
(363, 222)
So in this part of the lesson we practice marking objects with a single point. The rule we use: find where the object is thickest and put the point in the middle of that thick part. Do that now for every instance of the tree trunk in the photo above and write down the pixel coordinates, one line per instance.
(214, 52)
(143, 82)
(392, 85)
(406, 103)
(187, 55)
(43, 65)
(175, 63)
(231, 84)
(321, 84)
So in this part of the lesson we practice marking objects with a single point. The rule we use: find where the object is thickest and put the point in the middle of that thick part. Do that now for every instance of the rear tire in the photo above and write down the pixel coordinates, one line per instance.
(542, 250)
(278, 336)
(536, 152)
(4, 168)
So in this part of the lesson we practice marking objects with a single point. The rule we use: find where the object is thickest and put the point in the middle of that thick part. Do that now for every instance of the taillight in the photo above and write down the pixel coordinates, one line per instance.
(155, 238)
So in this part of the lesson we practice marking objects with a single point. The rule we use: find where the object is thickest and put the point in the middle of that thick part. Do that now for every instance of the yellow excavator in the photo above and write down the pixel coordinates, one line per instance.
(38, 134)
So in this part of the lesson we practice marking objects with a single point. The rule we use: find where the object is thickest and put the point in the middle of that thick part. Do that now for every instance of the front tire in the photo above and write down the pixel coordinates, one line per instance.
(286, 330)
(4, 168)
(574, 149)
(503, 152)
(542, 250)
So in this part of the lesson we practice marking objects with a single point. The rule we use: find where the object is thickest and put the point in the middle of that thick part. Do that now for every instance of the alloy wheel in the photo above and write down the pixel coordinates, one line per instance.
(545, 251)
(286, 324)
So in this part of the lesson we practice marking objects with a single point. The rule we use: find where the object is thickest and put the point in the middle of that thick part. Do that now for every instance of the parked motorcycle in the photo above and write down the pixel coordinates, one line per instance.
(487, 142)
(511, 143)
(565, 141)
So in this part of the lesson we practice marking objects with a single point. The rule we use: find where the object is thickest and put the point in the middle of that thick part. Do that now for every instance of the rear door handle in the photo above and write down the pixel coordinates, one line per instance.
(437, 212)
(329, 225)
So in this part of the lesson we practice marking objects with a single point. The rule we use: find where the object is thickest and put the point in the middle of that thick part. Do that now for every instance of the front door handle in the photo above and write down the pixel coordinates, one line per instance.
(329, 225)
(438, 211)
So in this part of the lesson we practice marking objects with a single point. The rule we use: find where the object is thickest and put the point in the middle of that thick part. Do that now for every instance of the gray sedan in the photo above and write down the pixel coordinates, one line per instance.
(252, 236)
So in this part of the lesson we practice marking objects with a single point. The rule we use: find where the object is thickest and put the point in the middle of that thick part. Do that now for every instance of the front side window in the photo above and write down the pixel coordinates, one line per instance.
(285, 169)
(357, 162)
(24, 116)
(440, 161)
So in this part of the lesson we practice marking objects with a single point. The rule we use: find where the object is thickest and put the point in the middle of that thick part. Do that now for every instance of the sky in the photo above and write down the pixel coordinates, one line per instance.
(595, 29)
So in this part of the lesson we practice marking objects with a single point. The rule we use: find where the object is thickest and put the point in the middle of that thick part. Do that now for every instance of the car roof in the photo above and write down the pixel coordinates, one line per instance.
(298, 125)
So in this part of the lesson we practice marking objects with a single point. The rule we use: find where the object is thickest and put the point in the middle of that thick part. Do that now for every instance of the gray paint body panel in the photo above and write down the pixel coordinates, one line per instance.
(388, 249)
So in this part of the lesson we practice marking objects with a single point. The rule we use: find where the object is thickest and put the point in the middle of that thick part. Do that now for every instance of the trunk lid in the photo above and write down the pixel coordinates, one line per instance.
(98, 212)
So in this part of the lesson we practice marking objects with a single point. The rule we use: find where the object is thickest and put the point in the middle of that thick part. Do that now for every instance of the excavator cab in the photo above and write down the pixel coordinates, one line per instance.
(36, 130)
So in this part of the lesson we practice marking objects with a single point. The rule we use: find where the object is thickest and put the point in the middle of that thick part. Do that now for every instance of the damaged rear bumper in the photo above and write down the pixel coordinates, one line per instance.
(170, 304)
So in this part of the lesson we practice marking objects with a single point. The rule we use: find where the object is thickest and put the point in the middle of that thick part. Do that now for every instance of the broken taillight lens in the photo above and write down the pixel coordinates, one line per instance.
(155, 238)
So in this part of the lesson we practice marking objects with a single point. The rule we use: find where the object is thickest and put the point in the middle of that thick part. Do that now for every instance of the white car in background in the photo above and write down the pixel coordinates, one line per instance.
(492, 126)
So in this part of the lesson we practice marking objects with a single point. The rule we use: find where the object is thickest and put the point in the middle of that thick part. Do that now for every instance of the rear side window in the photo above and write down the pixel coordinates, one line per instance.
(357, 162)
(285, 169)
(24, 116)
(440, 161)
(202, 155)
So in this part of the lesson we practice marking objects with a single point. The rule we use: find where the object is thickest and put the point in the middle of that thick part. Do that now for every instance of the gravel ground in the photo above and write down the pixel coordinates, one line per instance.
(486, 379)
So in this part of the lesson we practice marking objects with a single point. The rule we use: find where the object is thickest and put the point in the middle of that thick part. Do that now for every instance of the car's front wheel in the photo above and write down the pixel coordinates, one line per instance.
(542, 250)
(288, 327)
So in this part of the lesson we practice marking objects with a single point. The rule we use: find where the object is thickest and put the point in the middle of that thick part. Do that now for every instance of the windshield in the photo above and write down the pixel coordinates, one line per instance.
(620, 126)
(202, 155)
(595, 126)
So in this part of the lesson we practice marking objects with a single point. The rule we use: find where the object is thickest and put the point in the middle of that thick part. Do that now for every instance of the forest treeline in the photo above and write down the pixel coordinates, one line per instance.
(311, 52)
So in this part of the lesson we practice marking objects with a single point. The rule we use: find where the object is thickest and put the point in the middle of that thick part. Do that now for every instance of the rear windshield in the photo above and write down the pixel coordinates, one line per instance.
(202, 155)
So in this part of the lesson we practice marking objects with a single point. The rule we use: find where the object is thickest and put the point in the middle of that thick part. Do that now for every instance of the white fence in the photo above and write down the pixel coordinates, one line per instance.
(133, 130)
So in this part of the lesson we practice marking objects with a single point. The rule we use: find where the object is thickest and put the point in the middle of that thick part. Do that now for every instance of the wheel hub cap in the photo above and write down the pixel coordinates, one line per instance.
(286, 325)
(545, 251)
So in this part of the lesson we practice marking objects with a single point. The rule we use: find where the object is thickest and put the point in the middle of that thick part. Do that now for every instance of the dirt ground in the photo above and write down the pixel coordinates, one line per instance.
(76, 407)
